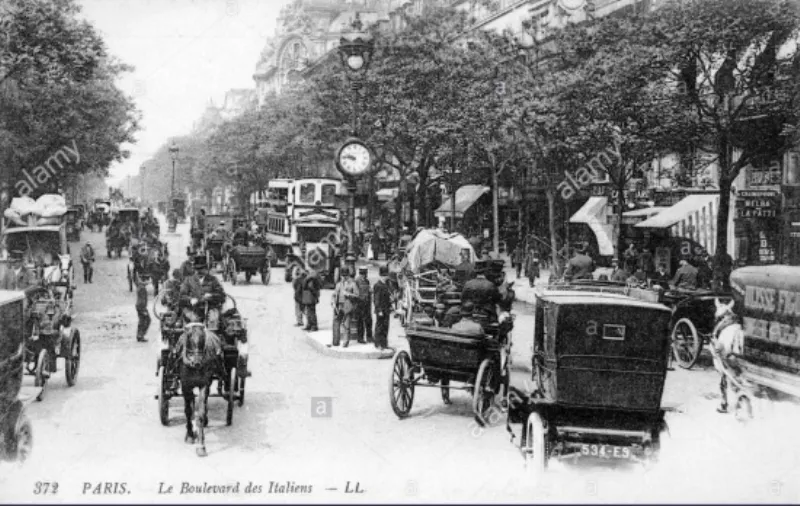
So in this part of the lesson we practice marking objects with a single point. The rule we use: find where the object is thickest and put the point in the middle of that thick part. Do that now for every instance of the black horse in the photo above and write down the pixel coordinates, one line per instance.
(200, 355)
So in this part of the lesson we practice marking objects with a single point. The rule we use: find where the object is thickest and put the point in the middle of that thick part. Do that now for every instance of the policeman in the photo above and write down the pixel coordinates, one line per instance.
(482, 293)
(364, 306)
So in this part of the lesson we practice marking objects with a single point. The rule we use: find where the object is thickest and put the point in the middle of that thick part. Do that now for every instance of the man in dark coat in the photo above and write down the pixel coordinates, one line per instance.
(310, 298)
(517, 258)
(464, 270)
(297, 285)
(241, 236)
(364, 306)
(618, 274)
(87, 261)
(483, 294)
(382, 300)
(141, 310)
(581, 266)
(685, 277)
(200, 288)
(532, 267)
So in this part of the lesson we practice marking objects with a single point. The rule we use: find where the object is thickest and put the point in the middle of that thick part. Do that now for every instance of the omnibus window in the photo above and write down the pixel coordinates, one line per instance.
(329, 194)
(307, 191)
(317, 234)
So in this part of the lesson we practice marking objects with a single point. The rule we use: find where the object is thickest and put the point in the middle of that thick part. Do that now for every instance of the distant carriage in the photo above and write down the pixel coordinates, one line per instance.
(149, 262)
(248, 259)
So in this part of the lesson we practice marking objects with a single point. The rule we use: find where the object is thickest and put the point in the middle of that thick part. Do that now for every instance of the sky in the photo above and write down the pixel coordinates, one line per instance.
(185, 53)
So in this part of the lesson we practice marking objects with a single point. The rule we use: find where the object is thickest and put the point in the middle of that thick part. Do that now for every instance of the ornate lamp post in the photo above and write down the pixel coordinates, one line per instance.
(173, 153)
(354, 159)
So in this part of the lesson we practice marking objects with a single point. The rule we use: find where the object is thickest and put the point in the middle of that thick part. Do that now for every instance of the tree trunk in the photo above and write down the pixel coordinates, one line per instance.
(551, 218)
(620, 246)
(398, 207)
(495, 212)
(725, 182)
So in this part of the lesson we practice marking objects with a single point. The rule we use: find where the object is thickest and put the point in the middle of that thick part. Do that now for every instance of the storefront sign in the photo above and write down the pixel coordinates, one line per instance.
(768, 174)
(757, 204)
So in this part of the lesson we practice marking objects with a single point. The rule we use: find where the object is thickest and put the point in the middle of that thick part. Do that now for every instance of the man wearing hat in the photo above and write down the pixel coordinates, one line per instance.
(482, 293)
(347, 302)
(200, 288)
(618, 274)
(87, 261)
(467, 324)
(310, 298)
(364, 315)
(382, 299)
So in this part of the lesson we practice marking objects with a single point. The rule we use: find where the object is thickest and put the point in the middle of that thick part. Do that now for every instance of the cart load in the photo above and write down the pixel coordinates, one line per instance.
(49, 209)
(431, 245)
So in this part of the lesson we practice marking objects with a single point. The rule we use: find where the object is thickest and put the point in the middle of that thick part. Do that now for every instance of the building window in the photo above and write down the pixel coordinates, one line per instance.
(329, 194)
(793, 170)
(307, 191)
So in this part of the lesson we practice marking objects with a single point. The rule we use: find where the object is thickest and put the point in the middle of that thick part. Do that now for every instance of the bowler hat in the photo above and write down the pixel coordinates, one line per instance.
(384, 270)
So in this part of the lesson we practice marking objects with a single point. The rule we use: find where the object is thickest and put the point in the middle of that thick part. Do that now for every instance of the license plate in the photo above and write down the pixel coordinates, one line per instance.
(606, 451)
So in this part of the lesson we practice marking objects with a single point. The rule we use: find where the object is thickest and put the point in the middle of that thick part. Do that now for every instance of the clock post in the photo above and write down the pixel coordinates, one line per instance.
(354, 159)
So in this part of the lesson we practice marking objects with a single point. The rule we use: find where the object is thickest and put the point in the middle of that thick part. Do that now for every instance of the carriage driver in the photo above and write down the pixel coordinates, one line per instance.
(482, 293)
(200, 288)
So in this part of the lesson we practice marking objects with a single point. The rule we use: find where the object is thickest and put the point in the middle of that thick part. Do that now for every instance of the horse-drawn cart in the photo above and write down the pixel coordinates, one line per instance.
(230, 377)
(16, 442)
(149, 262)
(439, 356)
(247, 259)
(692, 322)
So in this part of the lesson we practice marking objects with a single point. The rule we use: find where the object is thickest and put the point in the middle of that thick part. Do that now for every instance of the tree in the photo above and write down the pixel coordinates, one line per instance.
(57, 89)
(733, 66)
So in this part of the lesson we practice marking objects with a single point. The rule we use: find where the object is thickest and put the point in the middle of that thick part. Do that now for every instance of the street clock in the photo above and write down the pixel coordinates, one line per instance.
(354, 159)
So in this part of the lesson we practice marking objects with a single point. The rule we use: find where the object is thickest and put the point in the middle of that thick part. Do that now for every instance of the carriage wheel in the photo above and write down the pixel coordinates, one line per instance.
(42, 372)
(446, 391)
(686, 343)
(535, 444)
(401, 385)
(163, 397)
(231, 396)
(72, 362)
(225, 275)
(266, 273)
(240, 390)
(23, 439)
(484, 390)
(155, 285)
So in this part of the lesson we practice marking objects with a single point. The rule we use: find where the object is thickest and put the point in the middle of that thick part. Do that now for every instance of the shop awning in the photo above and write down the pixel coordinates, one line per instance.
(466, 196)
(694, 217)
(638, 215)
(593, 214)
(387, 194)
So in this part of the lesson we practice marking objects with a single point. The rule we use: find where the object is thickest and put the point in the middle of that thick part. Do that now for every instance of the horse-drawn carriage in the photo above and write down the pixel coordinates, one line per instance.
(215, 244)
(148, 261)
(439, 356)
(692, 322)
(230, 373)
(100, 215)
(16, 442)
(600, 361)
(49, 285)
(250, 259)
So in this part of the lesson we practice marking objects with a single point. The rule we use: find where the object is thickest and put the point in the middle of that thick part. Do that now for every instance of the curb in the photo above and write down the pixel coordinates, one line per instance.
(371, 354)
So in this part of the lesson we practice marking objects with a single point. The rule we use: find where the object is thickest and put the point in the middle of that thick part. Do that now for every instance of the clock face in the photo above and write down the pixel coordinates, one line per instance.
(355, 159)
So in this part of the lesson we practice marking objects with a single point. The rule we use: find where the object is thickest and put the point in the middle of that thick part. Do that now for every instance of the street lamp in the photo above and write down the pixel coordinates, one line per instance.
(354, 159)
(173, 153)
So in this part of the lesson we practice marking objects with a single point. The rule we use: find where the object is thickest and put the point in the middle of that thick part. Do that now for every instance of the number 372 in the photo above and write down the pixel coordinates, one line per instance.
(45, 488)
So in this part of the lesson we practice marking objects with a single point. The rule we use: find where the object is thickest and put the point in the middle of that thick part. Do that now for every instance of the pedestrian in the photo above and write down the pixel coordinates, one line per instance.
(87, 261)
(516, 259)
(364, 306)
(382, 300)
(347, 300)
(310, 299)
(646, 262)
(532, 267)
(336, 298)
(297, 285)
(141, 309)
(375, 241)
(631, 257)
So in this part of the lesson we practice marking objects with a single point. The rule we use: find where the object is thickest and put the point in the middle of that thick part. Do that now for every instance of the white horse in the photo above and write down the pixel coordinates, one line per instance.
(727, 342)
